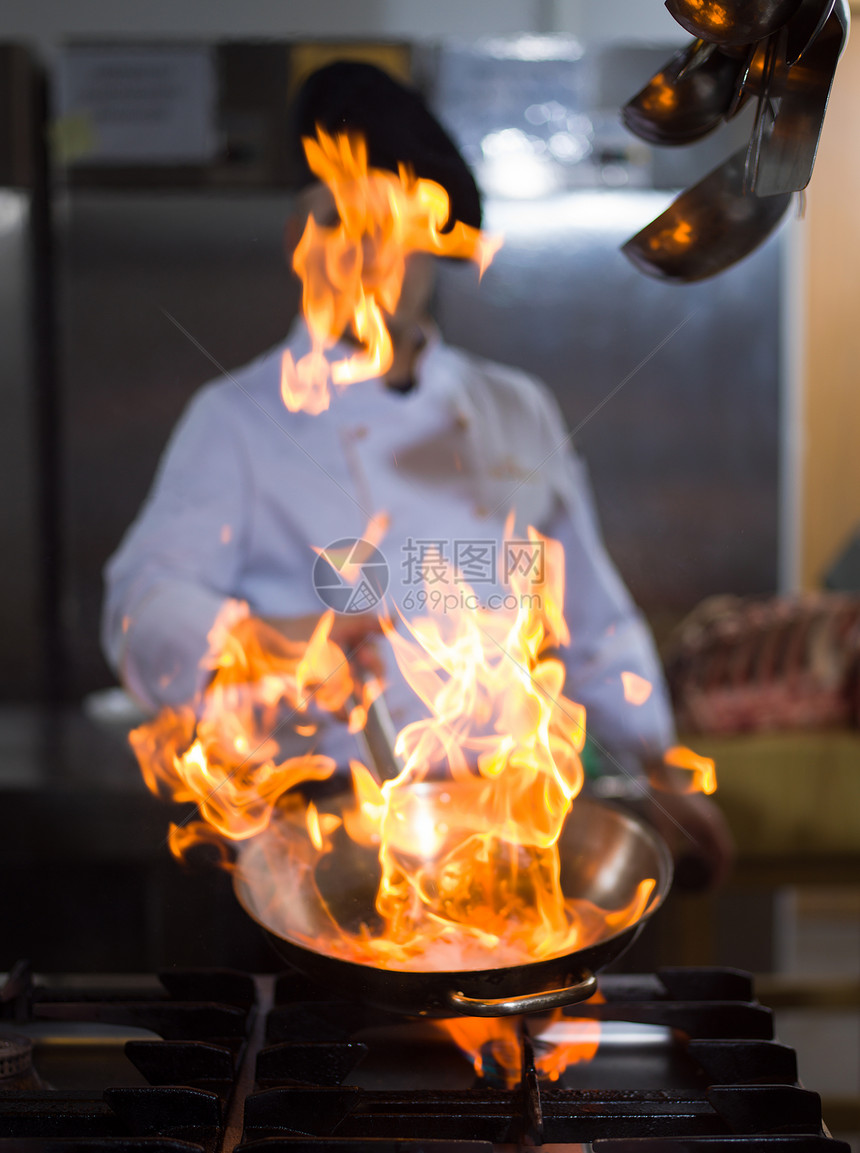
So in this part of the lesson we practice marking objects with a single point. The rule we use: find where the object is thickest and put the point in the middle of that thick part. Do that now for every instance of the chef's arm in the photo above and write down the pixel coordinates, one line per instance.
(697, 833)
(608, 637)
(178, 564)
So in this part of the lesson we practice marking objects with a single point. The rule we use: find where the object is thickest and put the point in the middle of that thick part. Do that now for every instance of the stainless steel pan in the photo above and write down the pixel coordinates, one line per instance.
(605, 854)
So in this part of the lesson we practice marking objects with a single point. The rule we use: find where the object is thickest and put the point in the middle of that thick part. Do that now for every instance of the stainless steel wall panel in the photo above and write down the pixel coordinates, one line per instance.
(214, 262)
(684, 457)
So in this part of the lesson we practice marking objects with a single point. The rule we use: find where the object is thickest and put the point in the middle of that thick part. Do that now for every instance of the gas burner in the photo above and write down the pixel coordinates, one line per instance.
(16, 1063)
(16, 1055)
(204, 1061)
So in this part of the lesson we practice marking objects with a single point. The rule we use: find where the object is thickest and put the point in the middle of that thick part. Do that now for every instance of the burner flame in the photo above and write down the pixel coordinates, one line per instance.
(495, 1044)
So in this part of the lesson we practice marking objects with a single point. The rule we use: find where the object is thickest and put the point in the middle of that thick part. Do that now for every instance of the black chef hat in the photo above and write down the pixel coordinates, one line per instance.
(349, 96)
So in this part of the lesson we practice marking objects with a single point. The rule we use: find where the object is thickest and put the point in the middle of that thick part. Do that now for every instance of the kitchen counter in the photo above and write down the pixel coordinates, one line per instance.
(71, 789)
(793, 803)
(88, 879)
(63, 748)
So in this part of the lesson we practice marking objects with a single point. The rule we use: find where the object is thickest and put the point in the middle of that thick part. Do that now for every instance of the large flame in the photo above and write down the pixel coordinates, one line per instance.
(221, 752)
(352, 272)
(477, 872)
(466, 837)
(464, 842)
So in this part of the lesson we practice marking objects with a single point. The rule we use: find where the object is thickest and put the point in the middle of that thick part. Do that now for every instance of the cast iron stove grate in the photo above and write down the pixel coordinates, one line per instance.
(224, 1061)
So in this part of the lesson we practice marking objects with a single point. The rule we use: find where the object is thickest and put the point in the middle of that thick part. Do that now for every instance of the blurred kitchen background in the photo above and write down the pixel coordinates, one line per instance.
(719, 422)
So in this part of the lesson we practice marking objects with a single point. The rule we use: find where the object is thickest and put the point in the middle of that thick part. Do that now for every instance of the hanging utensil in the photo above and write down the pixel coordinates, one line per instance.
(764, 115)
(786, 154)
(805, 25)
(708, 228)
(748, 76)
(696, 54)
(732, 21)
(687, 99)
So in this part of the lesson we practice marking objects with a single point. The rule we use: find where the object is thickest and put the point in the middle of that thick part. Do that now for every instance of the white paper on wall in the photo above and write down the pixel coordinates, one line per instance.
(153, 104)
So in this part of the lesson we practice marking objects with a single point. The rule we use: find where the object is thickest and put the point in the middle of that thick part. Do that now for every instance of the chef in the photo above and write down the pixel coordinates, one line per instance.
(439, 450)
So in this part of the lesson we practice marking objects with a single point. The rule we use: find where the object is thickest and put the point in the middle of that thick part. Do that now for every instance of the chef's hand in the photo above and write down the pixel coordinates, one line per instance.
(355, 633)
(698, 837)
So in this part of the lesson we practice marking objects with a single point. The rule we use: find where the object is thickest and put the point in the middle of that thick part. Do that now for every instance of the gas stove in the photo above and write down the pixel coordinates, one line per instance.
(205, 1061)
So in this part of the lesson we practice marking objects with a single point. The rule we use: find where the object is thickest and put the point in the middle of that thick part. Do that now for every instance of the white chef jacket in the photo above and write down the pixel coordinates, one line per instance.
(246, 490)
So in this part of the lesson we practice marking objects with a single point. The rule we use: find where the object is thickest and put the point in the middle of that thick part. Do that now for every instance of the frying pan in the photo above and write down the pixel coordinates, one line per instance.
(605, 854)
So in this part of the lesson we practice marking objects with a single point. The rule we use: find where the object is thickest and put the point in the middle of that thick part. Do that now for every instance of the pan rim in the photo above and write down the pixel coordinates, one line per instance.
(661, 891)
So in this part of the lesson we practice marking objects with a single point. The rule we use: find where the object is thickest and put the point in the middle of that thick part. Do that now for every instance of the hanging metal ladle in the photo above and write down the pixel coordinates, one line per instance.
(732, 21)
(727, 215)
(792, 101)
(805, 25)
(686, 99)
(708, 228)
(720, 220)
(792, 105)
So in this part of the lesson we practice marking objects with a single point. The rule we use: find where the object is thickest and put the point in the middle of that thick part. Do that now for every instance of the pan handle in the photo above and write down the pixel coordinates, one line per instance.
(527, 1003)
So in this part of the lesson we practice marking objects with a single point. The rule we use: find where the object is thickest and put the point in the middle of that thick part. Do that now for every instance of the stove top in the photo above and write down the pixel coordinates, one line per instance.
(205, 1061)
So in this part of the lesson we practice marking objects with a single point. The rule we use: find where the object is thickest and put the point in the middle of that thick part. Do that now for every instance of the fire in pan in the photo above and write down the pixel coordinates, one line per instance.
(323, 912)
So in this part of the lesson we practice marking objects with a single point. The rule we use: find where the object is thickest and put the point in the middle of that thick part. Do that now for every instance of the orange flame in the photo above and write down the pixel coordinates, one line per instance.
(352, 273)
(636, 689)
(582, 1044)
(181, 838)
(465, 839)
(320, 827)
(466, 836)
(498, 1040)
(483, 1037)
(472, 878)
(217, 753)
(684, 771)
(479, 870)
